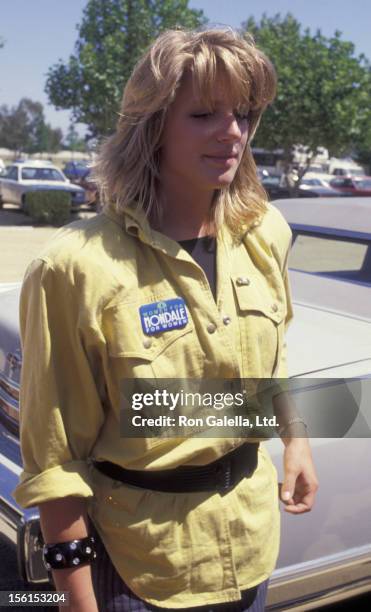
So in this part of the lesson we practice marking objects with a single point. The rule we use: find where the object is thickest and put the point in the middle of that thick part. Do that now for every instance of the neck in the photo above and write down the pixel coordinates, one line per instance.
(186, 214)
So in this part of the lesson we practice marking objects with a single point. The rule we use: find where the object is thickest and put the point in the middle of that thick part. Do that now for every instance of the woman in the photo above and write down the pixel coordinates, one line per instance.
(179, 523)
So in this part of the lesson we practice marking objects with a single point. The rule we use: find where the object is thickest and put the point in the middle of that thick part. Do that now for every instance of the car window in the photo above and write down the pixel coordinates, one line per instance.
(331, 256)
(271, 180)
(41, 174)
(365, 184)
(312, 181)
(11, 172)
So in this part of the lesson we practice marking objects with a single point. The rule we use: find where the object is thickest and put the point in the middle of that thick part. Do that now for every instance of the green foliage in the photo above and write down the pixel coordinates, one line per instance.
(112, 36)
(23, 128)
(322, 85)
(73, 141)
(49, 206)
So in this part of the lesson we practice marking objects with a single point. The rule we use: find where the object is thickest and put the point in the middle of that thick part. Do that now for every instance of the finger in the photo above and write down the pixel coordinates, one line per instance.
(298, 508)
(288, 501)
(288, 487)
(280, 485)
(307, 499)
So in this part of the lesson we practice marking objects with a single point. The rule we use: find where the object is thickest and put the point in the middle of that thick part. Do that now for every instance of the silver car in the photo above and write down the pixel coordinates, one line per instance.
(325, 555)
(22, 177)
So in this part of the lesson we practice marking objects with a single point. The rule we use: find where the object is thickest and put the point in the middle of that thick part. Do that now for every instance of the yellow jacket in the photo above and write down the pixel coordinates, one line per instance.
(81, 335)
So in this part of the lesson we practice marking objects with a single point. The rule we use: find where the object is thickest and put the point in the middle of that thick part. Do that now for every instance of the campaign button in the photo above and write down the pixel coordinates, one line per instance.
(163, 316)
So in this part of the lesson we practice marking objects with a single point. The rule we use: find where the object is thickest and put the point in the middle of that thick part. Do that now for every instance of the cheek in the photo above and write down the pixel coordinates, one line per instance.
(178, 140)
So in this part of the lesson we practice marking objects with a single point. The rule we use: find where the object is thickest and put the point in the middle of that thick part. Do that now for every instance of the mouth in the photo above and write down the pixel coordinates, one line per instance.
(227, 155)
(226, 158)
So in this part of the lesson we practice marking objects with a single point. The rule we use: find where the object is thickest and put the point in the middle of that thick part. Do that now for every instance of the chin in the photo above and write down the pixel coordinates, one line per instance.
(223, 181)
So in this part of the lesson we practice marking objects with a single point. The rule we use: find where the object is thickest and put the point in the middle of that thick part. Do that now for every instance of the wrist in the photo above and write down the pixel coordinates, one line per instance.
(294, 428)
(297, 441)
(69, 554)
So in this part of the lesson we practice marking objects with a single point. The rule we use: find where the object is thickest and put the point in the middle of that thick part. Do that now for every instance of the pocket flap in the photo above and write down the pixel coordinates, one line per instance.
(255, 295)
(125, 336)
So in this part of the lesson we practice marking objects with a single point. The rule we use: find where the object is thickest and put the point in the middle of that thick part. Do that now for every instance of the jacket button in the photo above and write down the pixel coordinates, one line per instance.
(147, 343)
(274, 307)
(226, 320)
(242, 280)
(211, 328)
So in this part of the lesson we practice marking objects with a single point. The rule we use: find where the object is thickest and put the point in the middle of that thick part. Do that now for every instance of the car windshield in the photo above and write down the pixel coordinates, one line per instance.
(10, 172)
(311, 181)
(41, 174)
(331, 256)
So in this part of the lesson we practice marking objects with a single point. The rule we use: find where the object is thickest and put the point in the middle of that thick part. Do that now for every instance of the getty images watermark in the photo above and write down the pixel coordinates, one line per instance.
(244, 407)
(183, 400)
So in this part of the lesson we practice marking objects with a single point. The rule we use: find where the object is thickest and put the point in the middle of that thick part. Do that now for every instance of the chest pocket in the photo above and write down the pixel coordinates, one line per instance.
(262, 313)
(166, 354)
(135, 355)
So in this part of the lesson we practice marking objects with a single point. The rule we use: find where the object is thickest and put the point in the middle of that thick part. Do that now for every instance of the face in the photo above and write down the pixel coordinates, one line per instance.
(202, 148)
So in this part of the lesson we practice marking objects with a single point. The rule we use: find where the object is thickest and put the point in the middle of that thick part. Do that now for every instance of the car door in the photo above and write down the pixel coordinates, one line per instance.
(9, 185)
(344, 185)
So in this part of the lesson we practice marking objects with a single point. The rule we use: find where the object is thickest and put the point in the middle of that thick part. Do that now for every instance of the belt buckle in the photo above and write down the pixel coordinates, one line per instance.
(224, 475)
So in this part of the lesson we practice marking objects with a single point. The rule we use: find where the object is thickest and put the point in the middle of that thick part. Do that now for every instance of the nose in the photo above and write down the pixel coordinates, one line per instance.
(229, 129)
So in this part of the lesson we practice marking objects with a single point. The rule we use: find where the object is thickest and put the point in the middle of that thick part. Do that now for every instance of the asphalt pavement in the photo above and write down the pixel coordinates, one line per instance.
(21, 240)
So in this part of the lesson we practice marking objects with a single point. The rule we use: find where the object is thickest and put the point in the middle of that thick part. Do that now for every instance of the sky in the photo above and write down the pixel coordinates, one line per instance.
(39, 33)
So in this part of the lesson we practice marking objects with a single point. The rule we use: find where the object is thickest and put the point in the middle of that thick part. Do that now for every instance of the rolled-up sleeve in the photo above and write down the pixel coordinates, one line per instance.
(61, 410)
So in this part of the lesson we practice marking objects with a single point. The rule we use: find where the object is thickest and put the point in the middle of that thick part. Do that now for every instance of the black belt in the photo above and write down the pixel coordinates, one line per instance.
(220, 475)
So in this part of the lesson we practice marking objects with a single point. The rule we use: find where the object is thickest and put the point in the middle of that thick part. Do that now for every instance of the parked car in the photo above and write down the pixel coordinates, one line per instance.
(318, 191)
(345, 167)
(75, 170)
(325, 555)
(272, 184)
(312, 181)
(313, 187)
(353, 185)
(24, 176)
(80, 173)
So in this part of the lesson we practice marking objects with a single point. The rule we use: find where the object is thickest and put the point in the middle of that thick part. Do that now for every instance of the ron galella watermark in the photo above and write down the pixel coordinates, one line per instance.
(244, 407)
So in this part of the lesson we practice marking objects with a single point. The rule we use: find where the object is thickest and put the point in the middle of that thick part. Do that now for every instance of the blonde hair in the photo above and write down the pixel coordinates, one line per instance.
(128, 166)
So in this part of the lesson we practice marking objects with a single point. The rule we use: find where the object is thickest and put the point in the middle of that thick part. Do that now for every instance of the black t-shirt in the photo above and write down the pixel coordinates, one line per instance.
(203, 251)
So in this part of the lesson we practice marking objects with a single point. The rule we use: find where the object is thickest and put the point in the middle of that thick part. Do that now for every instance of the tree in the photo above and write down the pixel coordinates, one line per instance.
(23, 128)
(48, 139)
(321, 99)
(112, 36)
(73, 141)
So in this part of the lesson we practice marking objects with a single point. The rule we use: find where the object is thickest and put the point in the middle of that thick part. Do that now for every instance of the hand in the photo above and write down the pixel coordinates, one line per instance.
(300, 484)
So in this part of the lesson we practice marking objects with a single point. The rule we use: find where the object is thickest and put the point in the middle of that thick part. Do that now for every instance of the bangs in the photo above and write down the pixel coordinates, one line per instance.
(249, 78)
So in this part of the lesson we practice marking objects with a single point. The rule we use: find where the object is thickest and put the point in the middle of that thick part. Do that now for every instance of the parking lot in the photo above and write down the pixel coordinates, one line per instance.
(21, 241)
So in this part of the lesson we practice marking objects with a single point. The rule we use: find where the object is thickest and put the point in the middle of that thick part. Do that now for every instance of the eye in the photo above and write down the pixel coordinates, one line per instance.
(204, 115)
(241, 116)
